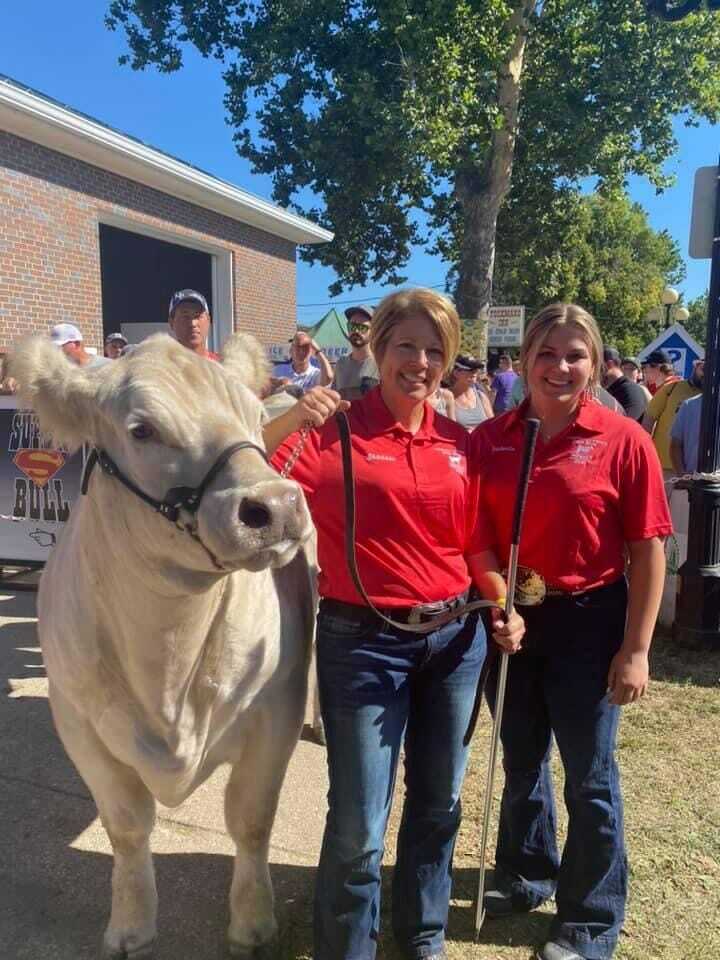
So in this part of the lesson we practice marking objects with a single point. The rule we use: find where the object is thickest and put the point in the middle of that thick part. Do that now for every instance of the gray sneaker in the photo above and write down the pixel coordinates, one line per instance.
(553, 951)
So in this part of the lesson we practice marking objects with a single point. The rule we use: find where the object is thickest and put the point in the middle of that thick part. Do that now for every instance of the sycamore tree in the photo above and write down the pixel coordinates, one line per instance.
(400, 122)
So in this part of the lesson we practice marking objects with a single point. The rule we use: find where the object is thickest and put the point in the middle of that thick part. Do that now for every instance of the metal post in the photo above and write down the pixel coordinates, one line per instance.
(697, 621)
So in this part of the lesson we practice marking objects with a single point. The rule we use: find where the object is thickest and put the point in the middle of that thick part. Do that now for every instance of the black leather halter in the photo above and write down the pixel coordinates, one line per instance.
(177, 498)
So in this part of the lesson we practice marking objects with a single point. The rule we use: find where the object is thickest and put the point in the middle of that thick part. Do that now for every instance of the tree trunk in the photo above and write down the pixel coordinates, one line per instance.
(481, 193)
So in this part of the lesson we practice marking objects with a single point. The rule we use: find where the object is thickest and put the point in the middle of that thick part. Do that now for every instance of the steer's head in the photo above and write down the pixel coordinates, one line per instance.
(164, 416)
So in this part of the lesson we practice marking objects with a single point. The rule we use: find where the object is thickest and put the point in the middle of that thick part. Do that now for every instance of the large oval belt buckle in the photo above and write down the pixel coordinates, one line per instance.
(530, 588)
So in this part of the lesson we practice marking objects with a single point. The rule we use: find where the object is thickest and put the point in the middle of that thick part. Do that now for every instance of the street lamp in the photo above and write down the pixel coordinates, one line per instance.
(670, 297)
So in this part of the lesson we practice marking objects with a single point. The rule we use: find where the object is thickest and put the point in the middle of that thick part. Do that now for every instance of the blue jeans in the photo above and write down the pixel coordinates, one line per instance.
(557, 685)
(379, 687)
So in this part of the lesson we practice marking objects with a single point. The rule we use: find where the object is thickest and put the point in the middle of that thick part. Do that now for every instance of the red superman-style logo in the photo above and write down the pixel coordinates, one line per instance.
(40, 466)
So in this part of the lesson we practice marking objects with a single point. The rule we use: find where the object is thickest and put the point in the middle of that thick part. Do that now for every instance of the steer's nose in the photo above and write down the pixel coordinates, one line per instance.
(275, 508)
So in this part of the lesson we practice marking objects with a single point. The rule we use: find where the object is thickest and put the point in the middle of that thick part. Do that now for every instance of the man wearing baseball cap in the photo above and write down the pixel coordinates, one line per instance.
(660, 414)
(189, 321)
(68, 338)
(357, 373)
(115, 343)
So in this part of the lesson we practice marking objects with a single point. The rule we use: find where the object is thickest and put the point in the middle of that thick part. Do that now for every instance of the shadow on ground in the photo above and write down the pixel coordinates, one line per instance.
(671, 663)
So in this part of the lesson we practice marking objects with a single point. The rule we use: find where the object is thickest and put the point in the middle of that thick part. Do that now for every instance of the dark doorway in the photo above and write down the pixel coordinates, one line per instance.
(140, 274)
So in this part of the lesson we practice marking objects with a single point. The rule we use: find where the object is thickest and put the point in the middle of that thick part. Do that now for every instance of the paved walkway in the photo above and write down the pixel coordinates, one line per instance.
(55, 857)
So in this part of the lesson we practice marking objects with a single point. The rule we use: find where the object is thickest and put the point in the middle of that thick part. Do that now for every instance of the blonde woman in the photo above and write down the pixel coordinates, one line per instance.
(382, 688)
(596, 491)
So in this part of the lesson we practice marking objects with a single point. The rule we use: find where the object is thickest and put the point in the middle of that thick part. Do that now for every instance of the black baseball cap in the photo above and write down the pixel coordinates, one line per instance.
(113, 337)
(656, 357)
(181, 295)
(361, 308)
(465, 362)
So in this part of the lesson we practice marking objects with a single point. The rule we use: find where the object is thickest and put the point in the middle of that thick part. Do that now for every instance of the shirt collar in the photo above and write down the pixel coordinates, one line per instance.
(383, 421)
(589, 418)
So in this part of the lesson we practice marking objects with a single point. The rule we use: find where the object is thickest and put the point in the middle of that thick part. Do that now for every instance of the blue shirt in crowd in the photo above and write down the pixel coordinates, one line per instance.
(686, 431)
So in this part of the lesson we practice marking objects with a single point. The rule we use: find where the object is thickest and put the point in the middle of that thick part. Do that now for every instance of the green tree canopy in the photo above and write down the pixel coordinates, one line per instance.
(404, 117)
(597, 250)
(696, 324)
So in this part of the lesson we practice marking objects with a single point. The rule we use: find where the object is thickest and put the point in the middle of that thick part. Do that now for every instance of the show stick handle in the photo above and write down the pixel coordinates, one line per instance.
(532, 428)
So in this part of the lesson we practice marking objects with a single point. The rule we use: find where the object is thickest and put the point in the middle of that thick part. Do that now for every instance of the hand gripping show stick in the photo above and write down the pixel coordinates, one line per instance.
(531, 431)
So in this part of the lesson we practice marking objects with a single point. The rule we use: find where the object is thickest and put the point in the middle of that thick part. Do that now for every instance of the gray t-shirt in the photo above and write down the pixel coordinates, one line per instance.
(353, 379)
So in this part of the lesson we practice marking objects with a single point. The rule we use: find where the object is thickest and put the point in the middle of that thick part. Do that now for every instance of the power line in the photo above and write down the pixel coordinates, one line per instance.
(330, 303)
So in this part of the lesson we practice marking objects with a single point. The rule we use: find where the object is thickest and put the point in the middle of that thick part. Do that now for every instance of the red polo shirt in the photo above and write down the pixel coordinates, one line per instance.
(414, 509)
(593, 488)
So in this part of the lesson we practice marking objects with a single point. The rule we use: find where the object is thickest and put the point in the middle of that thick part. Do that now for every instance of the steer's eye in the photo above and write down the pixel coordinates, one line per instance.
(141, 431)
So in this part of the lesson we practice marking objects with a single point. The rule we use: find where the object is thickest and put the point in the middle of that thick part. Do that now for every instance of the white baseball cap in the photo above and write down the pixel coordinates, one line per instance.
(63, 333)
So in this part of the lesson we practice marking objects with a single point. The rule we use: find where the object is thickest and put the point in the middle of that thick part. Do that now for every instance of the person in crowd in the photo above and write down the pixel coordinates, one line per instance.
(443, 402)
(383, 689)
(8, 384)
(630, 367)
(357, 373)
(189, 321)
(685, 437)
(661, 410)
(115, 343)
(595, 495)
(502, 384)
(472, 406)
(300, 370)
(69, 339)
(658, 371)
(627, 393)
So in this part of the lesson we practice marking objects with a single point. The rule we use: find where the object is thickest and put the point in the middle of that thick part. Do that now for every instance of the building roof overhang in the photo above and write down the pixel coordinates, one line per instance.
(37, 118)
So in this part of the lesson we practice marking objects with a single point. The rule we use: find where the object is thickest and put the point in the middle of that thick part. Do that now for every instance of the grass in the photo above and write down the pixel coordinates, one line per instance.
(670, 764)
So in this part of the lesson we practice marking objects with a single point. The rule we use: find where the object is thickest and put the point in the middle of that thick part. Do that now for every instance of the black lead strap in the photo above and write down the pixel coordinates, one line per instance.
(462, 610)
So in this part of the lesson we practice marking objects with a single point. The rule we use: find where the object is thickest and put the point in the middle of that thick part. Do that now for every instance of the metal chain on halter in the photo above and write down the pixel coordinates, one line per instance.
(296, 450)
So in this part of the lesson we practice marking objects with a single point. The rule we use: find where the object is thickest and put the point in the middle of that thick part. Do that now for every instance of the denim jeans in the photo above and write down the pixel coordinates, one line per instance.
(379, 687)
(557, 684)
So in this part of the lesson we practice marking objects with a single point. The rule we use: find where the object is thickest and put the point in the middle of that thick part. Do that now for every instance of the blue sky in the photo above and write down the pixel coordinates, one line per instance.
(65, 51)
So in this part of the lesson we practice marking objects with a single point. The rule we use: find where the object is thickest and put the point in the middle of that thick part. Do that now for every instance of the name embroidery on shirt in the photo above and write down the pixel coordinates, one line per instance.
(380, 456)
(503, 449)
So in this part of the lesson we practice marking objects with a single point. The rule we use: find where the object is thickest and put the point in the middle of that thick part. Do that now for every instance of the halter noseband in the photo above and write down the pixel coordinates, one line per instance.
(177, 498)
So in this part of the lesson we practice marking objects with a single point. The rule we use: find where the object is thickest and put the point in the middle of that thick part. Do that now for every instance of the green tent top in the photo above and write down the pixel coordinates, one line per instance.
(329, 333)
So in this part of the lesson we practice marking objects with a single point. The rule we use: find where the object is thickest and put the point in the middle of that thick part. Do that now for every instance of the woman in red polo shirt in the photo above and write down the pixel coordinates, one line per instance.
(595, 494)
(384, 688)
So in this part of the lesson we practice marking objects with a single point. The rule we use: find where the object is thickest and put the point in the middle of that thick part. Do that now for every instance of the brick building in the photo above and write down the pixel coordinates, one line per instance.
(98, 229)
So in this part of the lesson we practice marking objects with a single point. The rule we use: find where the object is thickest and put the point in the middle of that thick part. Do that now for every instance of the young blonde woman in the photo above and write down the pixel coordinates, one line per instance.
(384, 689)
(596, 492)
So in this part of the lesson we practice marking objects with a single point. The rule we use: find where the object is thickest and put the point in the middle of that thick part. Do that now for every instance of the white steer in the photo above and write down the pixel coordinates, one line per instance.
(176, 612)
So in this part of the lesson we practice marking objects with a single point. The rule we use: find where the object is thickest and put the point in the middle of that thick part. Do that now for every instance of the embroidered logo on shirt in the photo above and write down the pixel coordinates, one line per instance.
(584, 449)
(380, 456)
(456, 461)
(503, 449)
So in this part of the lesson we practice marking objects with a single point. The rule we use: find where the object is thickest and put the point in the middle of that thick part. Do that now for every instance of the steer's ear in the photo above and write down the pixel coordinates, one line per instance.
(245, 359)
(61, 394)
